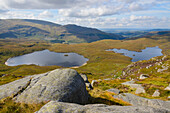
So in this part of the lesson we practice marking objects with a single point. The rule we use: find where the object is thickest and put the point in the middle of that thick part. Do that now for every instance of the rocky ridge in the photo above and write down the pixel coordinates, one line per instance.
(150, 76)
(160, 63)
(141, 101)
(60, 107)
(64, 85)
(64, 89)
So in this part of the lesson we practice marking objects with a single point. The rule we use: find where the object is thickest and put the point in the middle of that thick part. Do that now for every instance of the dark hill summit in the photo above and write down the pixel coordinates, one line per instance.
(90, 34)
(38, 29)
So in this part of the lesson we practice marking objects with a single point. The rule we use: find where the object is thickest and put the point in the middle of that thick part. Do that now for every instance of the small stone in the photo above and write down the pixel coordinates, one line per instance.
(164, 68)
(88, 85)
(107, 79)
(140, 90)
(164, 57)
(84, 77)
(3, 75)
(153, 58)
(124, 73)
(156, 93)
(167, 88)
(99, 80)
(94, 82)
(143, 76)
(116, 91)
(128, 82)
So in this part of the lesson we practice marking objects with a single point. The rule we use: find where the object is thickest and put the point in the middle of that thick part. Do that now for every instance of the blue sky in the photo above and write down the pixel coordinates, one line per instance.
(92, 13)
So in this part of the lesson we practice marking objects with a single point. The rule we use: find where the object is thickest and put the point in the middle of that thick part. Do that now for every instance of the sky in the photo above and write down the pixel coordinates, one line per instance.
(92, 13)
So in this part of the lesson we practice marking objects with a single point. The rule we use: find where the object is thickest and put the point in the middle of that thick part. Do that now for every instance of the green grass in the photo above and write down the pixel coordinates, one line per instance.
(9, 106)
(102, 64)
(156, 80)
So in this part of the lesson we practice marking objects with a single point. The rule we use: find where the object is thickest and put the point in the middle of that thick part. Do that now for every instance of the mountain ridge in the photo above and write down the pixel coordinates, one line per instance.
(29, 28)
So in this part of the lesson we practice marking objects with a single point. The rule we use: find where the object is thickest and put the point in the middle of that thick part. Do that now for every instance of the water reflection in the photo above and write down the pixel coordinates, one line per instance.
(47, 58)
(146, 54)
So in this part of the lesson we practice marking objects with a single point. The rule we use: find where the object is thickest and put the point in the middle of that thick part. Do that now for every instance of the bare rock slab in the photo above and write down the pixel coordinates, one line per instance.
(141, 101)
(13, 88)
(64, 85)
(116, 91)
(60, 107)
(138, 87)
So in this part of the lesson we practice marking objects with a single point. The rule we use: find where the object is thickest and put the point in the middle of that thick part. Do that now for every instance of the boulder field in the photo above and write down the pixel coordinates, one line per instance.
(64, 91)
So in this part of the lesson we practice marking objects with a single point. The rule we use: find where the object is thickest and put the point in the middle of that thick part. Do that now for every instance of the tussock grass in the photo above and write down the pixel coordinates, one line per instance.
(7, 105)
(103, 97)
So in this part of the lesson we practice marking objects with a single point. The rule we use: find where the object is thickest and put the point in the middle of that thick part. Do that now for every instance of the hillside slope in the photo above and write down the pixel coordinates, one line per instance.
(156, 35)
(27, 28)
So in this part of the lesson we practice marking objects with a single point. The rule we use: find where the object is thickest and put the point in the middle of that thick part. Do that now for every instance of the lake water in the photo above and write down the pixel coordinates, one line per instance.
(146, 54)
(47, 58)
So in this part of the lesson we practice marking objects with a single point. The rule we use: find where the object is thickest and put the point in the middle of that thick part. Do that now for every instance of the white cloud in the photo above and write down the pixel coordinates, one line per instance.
(89, 12)
(17, 15)
(139, 18)
(92, 13)
(46, 14)
(84, 8)
(42, 4)
(132, 21)
(109, 7)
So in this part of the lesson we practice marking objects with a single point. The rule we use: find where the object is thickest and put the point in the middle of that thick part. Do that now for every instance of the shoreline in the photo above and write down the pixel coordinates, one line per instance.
(6, 63)
(79, 66)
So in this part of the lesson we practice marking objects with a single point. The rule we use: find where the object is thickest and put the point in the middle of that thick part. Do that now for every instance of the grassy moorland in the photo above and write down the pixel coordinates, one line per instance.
(12, 47)
(106, 63)
(101, 65)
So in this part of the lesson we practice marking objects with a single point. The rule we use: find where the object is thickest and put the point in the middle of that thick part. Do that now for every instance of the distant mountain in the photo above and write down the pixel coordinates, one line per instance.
(132, 32)
(38, 29)
(155, 35)
(90, 34)
(158, 30)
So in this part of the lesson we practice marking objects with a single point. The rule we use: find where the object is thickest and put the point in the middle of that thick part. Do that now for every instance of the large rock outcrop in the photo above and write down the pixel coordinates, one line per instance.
(64, 85)
(60, 107)
(13, 88)
(141, 101)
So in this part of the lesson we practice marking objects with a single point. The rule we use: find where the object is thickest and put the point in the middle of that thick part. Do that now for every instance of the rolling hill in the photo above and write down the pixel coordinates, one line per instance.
(38, 29)
(156, 35)
(131, 33)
